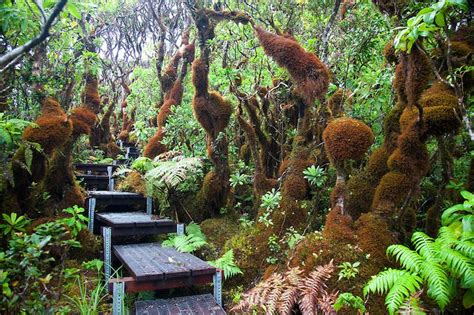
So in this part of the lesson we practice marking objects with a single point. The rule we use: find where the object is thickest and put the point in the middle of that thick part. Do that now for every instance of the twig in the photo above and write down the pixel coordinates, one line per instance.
(21, 50)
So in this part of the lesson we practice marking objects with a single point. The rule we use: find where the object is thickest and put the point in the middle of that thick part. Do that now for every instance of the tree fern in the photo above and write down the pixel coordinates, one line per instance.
(227, 264)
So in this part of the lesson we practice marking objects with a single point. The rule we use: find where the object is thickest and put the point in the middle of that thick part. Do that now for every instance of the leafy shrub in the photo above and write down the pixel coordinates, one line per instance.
(28, 265)
(315, 175)
(443, 265)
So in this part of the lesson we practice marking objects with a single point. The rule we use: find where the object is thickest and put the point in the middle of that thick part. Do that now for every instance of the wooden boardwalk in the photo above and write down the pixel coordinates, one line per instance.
(149, 266)
(198, 304)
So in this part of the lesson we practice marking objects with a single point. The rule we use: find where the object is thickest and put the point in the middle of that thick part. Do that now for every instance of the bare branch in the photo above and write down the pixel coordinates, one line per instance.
(21, 50)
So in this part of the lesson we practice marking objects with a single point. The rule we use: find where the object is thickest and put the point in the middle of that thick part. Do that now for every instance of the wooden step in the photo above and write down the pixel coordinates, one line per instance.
(95, 168)
(198, 305)
(163, 265)
(135, 223)
(95, 182)
(101, 198)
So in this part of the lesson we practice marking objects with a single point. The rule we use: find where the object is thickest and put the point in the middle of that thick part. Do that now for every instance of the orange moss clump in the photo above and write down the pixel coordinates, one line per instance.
(83, 120)
(412, 74)
(338, 228)
(389, 53)
(213, 193)
(164, 112)
(123, 135)
(309, 73)
(90, 96)
(347, 138)
(295, 186)
(154, 146)
(200, 77)
(374, 237)
(441, 109)
(336, 102)
(51, 132)
(176, 92)
(392, 190)
(133, 182)
(51, 107)
(411, 156)
(213, 112)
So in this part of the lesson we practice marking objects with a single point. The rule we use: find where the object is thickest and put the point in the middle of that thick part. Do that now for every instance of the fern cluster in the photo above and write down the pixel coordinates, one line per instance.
(282, 292)
(442, 265)
(195, 239)
(177, 174)
(227, 264)
(191, 241)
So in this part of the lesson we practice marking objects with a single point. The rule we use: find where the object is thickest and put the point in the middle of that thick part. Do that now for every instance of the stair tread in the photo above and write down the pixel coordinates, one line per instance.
(114, 194)
(195, 304)
(91, 176)
(132, 218)
(151, 261)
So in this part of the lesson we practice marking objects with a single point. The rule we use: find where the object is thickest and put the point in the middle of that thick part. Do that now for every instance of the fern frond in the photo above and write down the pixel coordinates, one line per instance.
(406, 257)
(227, 264)
(327, 301)
(382, 282)
(290, 294)
(313, 287)
(424, 245)
(439, 287)
(401, 290)
(448, 235)
(412, 305)
(466, 248)
(459, 265)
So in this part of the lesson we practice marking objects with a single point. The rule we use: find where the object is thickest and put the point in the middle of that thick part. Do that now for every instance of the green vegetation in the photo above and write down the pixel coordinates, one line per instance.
(309, 147)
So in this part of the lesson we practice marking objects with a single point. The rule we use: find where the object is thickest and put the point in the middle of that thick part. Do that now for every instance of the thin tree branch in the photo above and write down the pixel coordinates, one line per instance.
(21, 50)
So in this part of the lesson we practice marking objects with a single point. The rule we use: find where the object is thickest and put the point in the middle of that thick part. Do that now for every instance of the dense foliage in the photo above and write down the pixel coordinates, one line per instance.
(309, 146)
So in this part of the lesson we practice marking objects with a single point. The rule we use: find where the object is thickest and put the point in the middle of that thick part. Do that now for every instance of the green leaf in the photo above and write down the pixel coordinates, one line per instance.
(72, 9)
(28, 157)
(468, 298)
(439, 19)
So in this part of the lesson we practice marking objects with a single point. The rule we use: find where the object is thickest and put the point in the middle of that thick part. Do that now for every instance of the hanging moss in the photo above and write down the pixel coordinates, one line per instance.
(90, 95)
(309, 73)
(83, 120)
(200, 77)
(337, 101)
(154, 146)
(391, 56)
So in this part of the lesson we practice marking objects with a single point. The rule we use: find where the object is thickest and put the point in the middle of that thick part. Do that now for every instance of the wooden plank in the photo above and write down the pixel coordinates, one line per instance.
(140, 269)
(133, 219)
(105, 194)
(94, 167)
(148, 262)
(134, 286)
(194, 264)
(197, 305)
